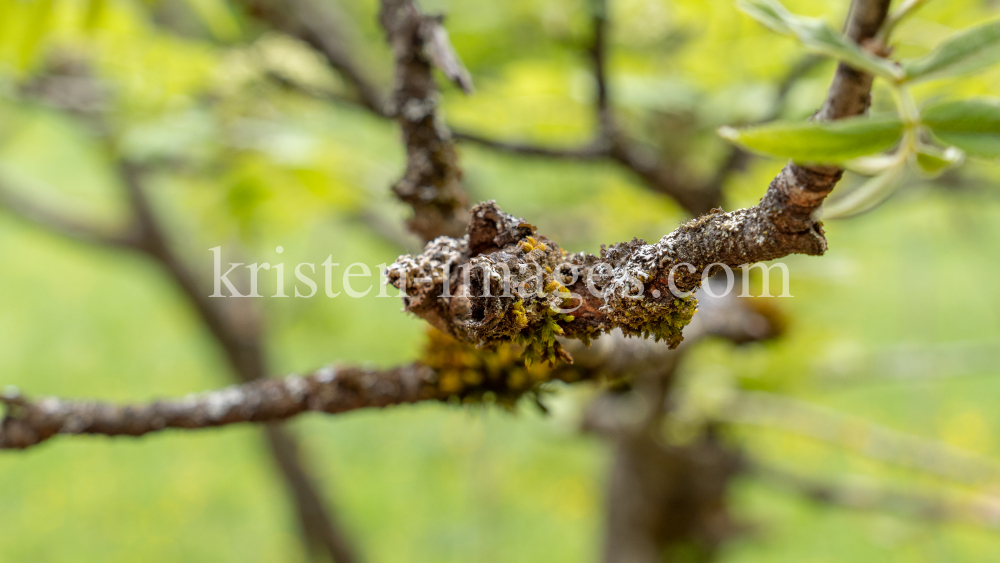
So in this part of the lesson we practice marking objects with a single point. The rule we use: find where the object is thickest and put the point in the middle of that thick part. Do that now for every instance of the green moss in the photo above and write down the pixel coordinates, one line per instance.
(467, 374)
(539, 341)
(660, 321)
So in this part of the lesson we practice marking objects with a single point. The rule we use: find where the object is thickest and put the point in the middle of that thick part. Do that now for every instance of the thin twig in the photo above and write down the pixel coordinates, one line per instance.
(978, 510)
(236, 327)
(609, 143)
(862, 436)
(594, 151)
(850, 92)
(314, 24)
(320, 526)
(598, 52)
(64, 224)
(330, 390)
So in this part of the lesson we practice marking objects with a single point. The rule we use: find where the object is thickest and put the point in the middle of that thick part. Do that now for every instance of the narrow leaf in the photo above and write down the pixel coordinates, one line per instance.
(932, 161)
(867, 197)
(966, 51)
(819, 37)
(872, 165)
(971, 125)
(820, 142)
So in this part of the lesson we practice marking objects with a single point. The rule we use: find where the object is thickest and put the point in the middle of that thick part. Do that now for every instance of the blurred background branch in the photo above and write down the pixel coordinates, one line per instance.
(233, 323)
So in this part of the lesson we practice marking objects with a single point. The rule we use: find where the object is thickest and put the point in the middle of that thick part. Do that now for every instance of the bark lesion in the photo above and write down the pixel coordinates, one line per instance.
(503, 281)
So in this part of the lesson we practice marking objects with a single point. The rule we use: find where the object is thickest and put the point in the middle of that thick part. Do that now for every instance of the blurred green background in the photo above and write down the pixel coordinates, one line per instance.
(899, 323)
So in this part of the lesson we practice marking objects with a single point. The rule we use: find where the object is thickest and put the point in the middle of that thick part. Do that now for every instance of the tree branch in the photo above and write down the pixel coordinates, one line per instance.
(850, 92)
(234, 325)
(594, 151)
(598, 54)
(62, 224)
(979, 510)
(449, 371)
(267, 400)
(849, 95)
(315, 25)
(431, 184)
(321, 530)
(864, 437)
(464, 286)
(236, 330)
(501, 251)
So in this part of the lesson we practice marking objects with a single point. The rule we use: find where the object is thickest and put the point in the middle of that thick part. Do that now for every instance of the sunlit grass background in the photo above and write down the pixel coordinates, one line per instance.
(434, 483)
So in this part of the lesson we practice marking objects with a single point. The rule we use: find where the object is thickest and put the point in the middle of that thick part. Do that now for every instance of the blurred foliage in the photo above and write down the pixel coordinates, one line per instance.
(249, 163)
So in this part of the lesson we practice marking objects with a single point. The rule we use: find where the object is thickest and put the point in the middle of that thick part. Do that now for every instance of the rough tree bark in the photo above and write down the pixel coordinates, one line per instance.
(432, 182)
(336, 390)
(499, 246)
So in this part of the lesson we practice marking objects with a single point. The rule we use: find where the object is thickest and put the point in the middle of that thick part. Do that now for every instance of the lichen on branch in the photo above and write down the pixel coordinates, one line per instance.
(449, 371)
(504, 282)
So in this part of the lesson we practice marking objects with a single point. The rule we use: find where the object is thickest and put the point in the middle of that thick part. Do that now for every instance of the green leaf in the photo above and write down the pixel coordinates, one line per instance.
(867, 197)
(932, 160)
(820, 142)
(971, 125)
(872, 165)
(966, 51)
(819, 37)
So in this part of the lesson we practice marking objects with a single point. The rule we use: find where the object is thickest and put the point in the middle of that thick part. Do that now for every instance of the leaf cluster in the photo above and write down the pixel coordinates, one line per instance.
(931, 139)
